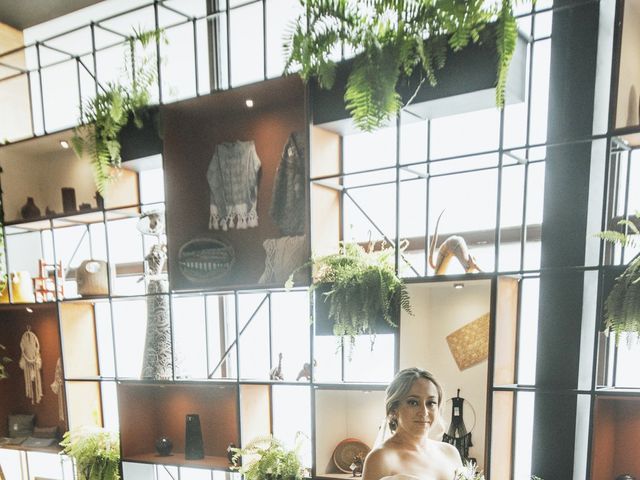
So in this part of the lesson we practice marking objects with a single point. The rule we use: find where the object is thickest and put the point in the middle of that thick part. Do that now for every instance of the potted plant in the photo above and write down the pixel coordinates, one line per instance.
(96, 452)
(360, 287)
(266, 458)
(622, 306)
(4, 360)
(389, 39)
(116, 104)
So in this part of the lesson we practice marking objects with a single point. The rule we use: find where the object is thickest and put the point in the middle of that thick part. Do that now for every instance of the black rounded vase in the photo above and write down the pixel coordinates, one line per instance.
(164, 446)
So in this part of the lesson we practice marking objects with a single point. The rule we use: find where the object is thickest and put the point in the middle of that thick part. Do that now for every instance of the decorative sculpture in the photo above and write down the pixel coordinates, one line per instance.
(306, 371)
(276, 372)
(157, 357)
(453, 246)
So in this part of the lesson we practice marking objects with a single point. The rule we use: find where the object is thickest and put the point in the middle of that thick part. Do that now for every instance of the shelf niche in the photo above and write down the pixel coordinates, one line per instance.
(43, 321)
(150, 411)
(616, 437)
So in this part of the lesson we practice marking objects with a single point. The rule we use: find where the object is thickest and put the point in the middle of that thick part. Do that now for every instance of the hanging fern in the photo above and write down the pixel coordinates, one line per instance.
(622, 306)
(104, 116)
(389, 38)
(361, 287)
(4, 360)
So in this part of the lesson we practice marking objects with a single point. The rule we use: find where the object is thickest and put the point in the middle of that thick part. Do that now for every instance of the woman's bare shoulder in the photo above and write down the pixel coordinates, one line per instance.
(380, 462)
(450, 452)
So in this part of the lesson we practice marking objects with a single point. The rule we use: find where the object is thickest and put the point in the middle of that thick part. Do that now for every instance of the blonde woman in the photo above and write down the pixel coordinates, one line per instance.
(413, 405)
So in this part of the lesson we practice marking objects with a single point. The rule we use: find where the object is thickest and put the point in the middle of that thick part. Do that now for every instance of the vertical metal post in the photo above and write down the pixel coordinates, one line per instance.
(158, 58)
(195, 59)
(44, 125)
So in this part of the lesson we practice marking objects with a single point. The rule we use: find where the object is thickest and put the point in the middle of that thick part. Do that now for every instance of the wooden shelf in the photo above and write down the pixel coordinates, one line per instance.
(52, 449)
(214, 463)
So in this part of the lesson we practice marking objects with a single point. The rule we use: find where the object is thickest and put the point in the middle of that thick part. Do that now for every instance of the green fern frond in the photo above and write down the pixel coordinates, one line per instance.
(506, 38)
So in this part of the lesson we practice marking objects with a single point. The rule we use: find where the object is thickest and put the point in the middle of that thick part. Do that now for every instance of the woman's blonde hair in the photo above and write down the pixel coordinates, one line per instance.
(400, 386)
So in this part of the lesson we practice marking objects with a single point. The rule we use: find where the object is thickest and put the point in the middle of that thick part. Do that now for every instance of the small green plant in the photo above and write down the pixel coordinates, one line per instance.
(622, 306)
(266, 458)
(104, 116)
(96, 452)
(389, 39)
(4, 360)
(362, 287)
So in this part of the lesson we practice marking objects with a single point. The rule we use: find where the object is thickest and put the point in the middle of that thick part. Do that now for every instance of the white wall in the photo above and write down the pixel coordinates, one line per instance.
(629, 81)
(439, 309)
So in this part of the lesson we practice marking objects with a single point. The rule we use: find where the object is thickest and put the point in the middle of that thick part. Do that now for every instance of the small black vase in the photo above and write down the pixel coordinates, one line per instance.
(164, 446)
(30, 209)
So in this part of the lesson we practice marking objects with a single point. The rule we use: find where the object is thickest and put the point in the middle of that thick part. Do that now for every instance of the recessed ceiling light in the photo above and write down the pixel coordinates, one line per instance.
(30, 310)
(248, 102)
(64, 144)
(458, 285)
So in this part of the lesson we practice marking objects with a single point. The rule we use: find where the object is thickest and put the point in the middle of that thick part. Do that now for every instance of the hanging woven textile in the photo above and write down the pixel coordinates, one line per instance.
(31, 363)
(457, 435)
(56, 386)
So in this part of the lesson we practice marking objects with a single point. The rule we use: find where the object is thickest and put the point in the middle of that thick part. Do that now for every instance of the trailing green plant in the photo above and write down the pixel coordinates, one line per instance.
(4, 360)
(96, 452)
(266, 458)
(622, 306)
(104, 116)
(362, 287)
(388, 37)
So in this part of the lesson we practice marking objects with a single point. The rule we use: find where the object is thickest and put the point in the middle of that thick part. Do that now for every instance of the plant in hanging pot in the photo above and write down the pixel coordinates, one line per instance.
(388, 37)
(622, 306)
(361, 288)
(266, 458)
(115, 105)
(96, 452)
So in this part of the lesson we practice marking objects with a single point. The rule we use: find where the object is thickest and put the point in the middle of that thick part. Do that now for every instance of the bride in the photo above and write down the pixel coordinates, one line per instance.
(413, 409)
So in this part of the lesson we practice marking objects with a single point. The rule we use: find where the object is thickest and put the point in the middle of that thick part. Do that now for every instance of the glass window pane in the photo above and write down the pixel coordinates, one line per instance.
(246, 43)
(465, 133)
(190, 337)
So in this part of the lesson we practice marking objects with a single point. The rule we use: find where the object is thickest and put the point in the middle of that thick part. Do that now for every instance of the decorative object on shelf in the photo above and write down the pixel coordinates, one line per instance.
(21, 288)
(4, 360)
(305, 371)
(31, 363)
(20, 425)
(266, 458)
(104, 115)
(151, 222)
(99, 201)
(157, 360)
(622, 306)
(457, 433)
(164, 445)
(205, 259)
(356, 466)
(57, 388)
(231, 448)
(48, 212)
(469, 471)
(625, 476)
(288, 199)
(283, 256)
(45, 286)
(469, 345)
(346, 453)
(193, 449)
(30, 210)
(233, 186)
(84, 207)
(96, 452)
(453, 247)
(276, 372)
(93, 278)
(390, 40)
(363, 288)
(68, 199)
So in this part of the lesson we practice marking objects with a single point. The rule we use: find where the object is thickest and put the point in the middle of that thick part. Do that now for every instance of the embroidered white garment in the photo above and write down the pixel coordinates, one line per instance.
(400, 476)
(31, 363)
(233, 186)
(56, 386)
